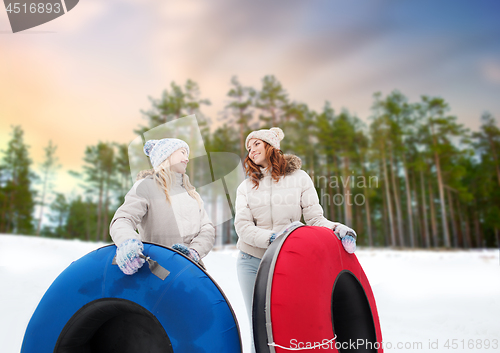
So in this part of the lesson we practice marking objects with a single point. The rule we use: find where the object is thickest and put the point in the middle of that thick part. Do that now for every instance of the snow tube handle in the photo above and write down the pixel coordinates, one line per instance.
(155, 268)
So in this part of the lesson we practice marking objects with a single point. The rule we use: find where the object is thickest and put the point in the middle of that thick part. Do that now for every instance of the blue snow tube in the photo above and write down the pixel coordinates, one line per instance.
(93, 307)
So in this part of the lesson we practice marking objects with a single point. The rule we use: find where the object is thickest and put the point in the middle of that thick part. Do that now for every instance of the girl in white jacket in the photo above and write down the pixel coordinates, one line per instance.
(275, 196)
(163, 207)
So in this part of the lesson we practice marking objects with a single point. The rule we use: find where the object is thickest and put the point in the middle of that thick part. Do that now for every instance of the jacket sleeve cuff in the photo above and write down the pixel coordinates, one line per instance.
(121, 230)
(262, 239)
(199, 250)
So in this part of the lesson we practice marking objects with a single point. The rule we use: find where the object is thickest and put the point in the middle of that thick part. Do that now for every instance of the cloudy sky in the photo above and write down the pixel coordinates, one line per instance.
(84, 77)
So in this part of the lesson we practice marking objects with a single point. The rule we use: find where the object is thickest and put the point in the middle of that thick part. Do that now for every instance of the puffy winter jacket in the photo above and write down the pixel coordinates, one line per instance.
(272, 206)
(158, 221)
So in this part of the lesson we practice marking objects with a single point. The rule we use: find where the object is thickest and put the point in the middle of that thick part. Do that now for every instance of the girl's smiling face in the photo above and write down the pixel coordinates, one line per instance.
(257, 152)
(179, 160)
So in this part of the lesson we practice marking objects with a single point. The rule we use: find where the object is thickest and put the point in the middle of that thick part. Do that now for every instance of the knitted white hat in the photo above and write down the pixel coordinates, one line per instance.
(159, 150)
(273, 136)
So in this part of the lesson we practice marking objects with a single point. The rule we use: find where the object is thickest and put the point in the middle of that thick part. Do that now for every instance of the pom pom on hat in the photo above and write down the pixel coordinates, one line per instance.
(159, 150)
(278, 132)
(273, 136)
(149, 146)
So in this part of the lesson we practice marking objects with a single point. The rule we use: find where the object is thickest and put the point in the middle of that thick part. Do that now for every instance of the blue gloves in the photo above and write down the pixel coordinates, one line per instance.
(349, 244)
(347, 236)
(191, 253)
(128, 256)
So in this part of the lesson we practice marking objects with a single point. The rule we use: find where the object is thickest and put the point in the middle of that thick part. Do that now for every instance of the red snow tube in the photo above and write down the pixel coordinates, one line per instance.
(309, 290)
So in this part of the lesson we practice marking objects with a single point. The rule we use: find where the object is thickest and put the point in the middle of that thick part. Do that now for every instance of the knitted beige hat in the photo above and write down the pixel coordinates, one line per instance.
(159, 150)
(273, 136)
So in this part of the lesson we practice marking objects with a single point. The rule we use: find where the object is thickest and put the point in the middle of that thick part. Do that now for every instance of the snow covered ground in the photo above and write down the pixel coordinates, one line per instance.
(424, 298)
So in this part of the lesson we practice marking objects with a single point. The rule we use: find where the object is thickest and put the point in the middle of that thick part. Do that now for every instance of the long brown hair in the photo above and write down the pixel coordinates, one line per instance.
(275, 160)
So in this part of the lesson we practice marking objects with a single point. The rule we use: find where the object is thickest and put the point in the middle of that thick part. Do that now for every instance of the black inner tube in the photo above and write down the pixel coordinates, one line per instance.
(351, 316)
(113, 325)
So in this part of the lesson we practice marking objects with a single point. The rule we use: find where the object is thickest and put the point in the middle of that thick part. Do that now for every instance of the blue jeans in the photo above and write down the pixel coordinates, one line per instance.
(247, 266)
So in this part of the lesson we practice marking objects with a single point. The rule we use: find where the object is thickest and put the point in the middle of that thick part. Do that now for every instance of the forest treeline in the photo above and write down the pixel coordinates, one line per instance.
(410, 176)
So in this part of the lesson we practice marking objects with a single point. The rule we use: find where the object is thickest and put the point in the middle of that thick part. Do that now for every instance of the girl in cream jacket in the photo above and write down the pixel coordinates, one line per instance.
(164, 208)
(274, 197)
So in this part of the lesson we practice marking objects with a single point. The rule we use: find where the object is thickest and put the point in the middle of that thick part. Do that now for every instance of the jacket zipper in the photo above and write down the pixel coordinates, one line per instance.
(271, 204)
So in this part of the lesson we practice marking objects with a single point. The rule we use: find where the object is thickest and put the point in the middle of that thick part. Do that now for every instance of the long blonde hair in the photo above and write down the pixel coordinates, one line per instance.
(165, 177)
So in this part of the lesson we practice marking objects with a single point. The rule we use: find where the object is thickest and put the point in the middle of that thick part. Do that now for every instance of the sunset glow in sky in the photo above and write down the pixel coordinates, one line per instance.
(84, 77)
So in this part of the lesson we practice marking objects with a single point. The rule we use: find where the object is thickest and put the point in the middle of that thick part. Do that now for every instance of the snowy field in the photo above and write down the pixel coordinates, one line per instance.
(424, 298)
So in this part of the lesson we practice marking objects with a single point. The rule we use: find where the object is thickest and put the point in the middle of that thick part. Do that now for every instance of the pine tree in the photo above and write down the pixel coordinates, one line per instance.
(59, 214)
(18, 197)
(487, 143)
(380, 129)
(440, 130)
(325, 136)
(487, 178)
(174, 104)
(271, 100)
(122, 169)
(301, 134)
(99, 179)
(48, 168)
(346, 129)
(82, 219)
(242, 100)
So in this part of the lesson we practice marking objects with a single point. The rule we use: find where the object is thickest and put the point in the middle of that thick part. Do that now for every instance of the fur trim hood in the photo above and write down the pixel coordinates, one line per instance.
(293, 163)
(143, 174)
